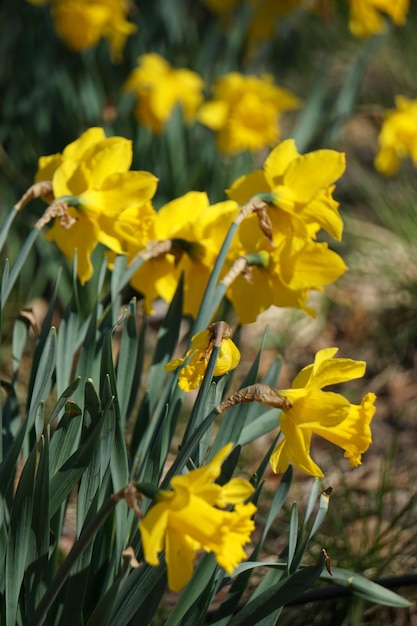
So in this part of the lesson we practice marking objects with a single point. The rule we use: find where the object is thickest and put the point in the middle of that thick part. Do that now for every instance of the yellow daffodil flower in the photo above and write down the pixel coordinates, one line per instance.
(398, 137)
(159, 88)
(302, 185)
(324, 413)
(245, 112)
(199, 353)
(196, 231)
(92, 176)
(283, 273)
(191, 518)
(367, 16)
(82, 23)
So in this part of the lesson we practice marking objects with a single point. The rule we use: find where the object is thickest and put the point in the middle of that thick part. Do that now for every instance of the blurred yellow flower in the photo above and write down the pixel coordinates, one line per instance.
(245, 112)
(324, 413)
(398, 137)
(191, 518)
(302, 186)
(199, 353)
(196, 231)
(159, 88)
(367, 17)
(91, 177)
(82, 23)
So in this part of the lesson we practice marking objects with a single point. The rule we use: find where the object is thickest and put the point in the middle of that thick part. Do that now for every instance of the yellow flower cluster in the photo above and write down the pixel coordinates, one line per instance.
(108, 204)
(324, 413)
(398, 137)
(196, 516)
(82, 23)
(245, 112)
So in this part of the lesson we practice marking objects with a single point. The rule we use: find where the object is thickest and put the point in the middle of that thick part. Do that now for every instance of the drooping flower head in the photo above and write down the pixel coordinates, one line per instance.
(325, 413)
(301, 185)
(199, 353)
(245, 112)
(93, 180)
(196, 231)
(282, 272)
(398, 137)
(191, 518)
(159, 88)
(368, 17)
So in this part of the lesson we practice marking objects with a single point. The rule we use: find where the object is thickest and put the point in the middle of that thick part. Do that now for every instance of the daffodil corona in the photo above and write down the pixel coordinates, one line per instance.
(191, 518)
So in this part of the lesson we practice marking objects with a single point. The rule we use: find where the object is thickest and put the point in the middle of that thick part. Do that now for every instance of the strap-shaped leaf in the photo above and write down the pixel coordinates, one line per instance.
(20, 540)
(167, 340)
(364, 588)
(277, 596)
(38, 571)
(127, 361)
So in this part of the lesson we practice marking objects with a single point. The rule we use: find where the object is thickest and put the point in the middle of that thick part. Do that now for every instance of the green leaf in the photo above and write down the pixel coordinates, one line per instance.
(269, 420)
(364, 588)
(67, 343)
(127, 361)
(20, 540)
(234, 418)
(43, 378)
(66, 437)
(20, 333)
(167, 340)
(18, 264)
(5, 227)
(284, 591)
(67, 476)
(62, 401)
(37, 575)
(139, 596)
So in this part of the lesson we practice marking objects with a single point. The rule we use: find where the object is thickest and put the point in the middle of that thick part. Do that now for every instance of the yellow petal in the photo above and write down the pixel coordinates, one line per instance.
(312, 172)
(175, 218)
(245, 187)
(179, 556)
(77, 149)
(295, 449)
(234, 491)
(152, 529)
(47, 166)
(278, 161)
(213, 114)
